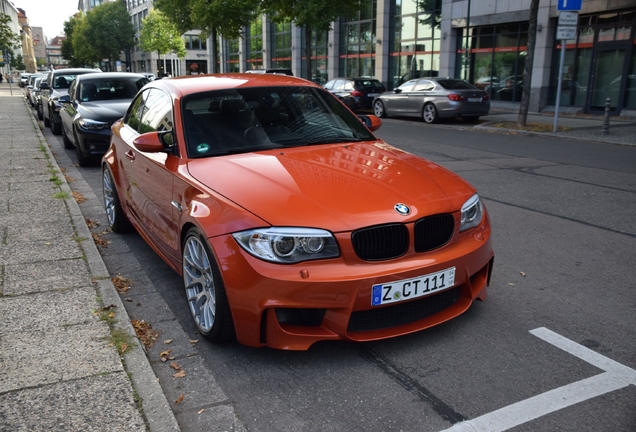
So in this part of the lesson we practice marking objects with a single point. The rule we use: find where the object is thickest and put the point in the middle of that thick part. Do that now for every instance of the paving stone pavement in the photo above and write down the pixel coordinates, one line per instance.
(59, 370)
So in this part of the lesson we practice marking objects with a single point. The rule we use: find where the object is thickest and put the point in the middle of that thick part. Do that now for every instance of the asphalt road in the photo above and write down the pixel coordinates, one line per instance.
(564, 235)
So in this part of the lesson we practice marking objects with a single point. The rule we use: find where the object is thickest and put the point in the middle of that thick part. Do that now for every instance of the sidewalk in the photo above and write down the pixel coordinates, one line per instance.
(622, 130)
(59, 369)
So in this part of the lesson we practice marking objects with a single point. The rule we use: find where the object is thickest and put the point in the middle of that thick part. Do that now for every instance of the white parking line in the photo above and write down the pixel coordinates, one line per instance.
(615, 377)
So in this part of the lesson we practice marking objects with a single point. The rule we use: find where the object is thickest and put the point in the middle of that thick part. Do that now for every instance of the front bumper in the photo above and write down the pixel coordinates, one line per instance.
(93, 143)
(293, 306)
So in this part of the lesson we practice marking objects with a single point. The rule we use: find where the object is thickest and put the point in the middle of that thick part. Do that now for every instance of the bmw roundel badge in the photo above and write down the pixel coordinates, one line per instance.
(402, 209)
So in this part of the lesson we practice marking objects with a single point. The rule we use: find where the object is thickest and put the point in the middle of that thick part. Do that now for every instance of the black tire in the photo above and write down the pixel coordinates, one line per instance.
(208, 303)
(47, 123)
(83, 160)
(378, 109)
(429, 113)
(38, 109)
(68, 145)
(471, 119)
(56, 128)
(117, 220)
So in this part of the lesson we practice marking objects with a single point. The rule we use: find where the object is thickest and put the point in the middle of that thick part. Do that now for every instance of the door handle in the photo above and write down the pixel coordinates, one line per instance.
(130, 155)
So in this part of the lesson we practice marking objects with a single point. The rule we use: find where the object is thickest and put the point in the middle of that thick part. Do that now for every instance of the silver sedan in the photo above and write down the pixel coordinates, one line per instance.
(434, 98)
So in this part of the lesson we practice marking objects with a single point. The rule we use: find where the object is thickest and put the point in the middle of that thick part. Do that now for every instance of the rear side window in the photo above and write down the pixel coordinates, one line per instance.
(369, 84)
(452, 84)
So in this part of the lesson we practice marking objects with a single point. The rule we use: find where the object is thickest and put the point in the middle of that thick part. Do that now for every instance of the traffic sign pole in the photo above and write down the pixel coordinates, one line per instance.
(558, 98)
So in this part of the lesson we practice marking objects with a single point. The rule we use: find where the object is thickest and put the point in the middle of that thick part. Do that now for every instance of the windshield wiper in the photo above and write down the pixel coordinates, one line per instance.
(333, 140)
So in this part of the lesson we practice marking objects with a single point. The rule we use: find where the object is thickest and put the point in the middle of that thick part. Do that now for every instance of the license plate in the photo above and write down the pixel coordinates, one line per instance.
(412, 288)
(372, 94)
(474, 99)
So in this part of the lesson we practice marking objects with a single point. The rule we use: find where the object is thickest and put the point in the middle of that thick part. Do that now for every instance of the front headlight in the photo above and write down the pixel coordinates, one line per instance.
(288, 245)
(471, 213)
(93, 125)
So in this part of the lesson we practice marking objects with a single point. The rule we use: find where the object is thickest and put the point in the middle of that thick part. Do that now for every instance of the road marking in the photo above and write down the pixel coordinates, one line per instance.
(615, 377)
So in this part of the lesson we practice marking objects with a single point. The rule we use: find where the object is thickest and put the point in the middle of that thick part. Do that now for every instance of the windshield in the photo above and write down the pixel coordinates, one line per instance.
(259, 118)
(110, 89)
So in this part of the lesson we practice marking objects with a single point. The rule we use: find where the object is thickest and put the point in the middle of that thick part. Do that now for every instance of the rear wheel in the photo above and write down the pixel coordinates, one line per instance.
(117, 220)
(429, 113)
(378, 109)
(204, 290)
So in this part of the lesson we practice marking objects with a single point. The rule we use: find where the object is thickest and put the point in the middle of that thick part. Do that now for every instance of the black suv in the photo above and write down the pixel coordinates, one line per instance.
(356, 93)
(57, 84)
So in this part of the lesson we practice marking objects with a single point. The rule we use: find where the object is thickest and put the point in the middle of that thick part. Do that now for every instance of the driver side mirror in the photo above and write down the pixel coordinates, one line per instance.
(370, 121)
(155, 142)
(397, 90)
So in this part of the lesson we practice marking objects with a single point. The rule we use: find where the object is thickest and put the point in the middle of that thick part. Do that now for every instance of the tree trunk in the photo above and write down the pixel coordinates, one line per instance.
(527, 69)
(308, 51)
(215, 49)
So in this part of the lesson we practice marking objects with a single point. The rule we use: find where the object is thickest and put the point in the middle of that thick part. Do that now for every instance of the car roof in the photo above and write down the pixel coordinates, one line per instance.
(108, 75)
(185, 85)
(74, 71)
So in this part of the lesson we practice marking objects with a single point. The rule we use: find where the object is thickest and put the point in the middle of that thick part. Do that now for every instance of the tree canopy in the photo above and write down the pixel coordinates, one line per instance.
(159, 34)
(8, 38)
(68, 53)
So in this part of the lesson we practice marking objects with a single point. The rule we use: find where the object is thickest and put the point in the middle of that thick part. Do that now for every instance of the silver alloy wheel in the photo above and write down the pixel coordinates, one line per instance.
(378, 108)
(109, 197)
(430, 113)
(198, 281)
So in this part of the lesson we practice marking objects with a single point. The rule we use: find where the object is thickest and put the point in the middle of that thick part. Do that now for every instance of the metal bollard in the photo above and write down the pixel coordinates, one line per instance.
(606, 119)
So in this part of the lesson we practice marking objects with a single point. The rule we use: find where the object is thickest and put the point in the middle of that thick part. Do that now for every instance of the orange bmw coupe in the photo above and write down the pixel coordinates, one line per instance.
(290, 222)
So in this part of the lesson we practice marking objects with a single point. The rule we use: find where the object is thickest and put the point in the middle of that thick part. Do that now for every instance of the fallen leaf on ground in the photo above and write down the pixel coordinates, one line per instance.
(91, 223)
(167, 341)
(523, 274)
(99, 241)
(79, 197)
(199, 412)
(122, 285)
(179, 374)
(193, 341)
(180, 398)
(175, 366)
(145, 333)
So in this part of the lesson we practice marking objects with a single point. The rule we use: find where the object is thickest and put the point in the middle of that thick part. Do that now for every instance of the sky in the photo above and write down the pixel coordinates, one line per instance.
(48, 14)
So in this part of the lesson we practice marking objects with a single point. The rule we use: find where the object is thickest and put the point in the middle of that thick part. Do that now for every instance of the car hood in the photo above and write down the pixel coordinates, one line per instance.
(106, 111)
(336, 187)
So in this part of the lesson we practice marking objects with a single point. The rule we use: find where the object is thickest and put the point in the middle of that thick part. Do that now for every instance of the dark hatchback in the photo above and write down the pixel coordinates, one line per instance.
(93, 104)
(356, 93)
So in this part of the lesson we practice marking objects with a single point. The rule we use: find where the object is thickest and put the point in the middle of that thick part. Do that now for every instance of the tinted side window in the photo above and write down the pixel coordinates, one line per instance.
(133, 116)
(424, 85)
(157, 114)
(452, 84)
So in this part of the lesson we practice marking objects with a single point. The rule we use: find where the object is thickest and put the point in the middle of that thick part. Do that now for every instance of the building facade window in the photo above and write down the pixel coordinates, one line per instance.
(415, 40)
(319, 57)
(255, 45)
(357, 42)
(281, 45)
(195, 42)
(233, 62)
(496, 59)
(599, 64)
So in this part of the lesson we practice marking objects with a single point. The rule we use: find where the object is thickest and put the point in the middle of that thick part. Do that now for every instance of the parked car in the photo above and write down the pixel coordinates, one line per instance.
(56, 85)
(288, 219)
(150, 76)
(93, 103)
(356, 93)
(434, 98)
(33, 88)
(24, 78)
(38, 95)
(29, 86)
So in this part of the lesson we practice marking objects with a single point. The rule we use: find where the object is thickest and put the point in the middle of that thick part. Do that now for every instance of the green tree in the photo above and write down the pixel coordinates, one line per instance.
(212, 17)
(109, 30)
(83, 53)
(8, 38)
(159, 34)
(17, 61)
(68, 52)
(312, 15)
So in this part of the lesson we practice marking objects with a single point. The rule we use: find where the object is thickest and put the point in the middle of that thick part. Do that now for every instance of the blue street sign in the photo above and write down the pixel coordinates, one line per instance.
(569, 5)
